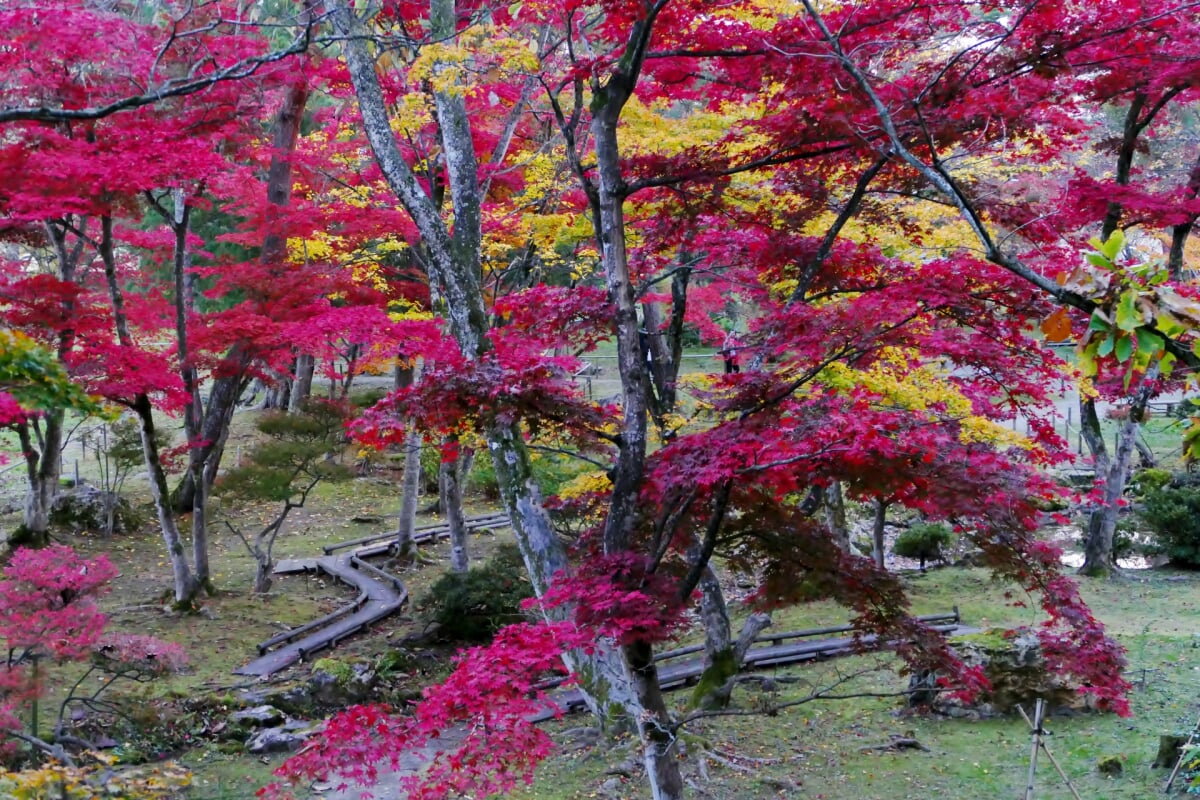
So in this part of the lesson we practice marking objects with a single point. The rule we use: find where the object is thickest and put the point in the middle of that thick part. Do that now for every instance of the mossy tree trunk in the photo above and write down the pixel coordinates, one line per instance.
(877, 531)
(450, 491)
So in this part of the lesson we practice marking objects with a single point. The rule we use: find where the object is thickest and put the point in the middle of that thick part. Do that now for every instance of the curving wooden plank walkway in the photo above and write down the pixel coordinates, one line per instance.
(376, 600)
(379, 595)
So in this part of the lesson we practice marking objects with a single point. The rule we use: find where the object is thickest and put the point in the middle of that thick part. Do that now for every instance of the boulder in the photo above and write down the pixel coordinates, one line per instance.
(1016, 669)
(275, 740)
(295, 699)
(85, 509)
(336, 684)
(264, 716)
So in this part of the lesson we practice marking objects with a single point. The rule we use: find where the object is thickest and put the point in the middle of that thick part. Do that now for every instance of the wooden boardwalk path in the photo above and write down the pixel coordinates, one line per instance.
(770, 650)
(381, 543)
(379, 594)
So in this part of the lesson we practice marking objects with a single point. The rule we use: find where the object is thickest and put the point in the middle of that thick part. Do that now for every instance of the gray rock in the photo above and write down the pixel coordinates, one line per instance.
(1017, 672)
(275, 740)
(85, 509)
(264, 716)
(290, 700)
(328, 689)
(611, 787)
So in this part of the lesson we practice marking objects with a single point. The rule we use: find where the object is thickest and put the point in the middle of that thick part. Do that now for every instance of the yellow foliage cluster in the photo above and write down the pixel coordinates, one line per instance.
(448, 67)
(166, 781)
(899, 381)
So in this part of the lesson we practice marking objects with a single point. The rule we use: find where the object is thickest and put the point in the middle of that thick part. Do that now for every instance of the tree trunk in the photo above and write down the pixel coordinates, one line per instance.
(659, 751)
(193, 412)
(877, 533)
(835, 515)
(410, 486)
(1102, 525)
(44, 463)
(43, 467)
(306, 367)
(214, 431)
(606, 198)
(263, 571)
(228, 385)
(1181, 232)
(410, 481)
(450, 491)
(186, 588)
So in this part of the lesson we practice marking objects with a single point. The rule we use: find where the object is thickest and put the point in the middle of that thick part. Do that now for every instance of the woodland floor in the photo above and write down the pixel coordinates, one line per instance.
(809, 750)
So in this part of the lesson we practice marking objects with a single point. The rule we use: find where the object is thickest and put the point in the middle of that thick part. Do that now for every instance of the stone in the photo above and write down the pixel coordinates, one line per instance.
(275, 740)
(264, 716)
(84, 509)
(294, 699)
(1110, 766)
(1017, 671)
(336, 684)
(612, 788)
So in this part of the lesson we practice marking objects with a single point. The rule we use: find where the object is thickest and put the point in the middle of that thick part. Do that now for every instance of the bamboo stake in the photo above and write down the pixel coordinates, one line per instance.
(1050, 756)
(1034, 747)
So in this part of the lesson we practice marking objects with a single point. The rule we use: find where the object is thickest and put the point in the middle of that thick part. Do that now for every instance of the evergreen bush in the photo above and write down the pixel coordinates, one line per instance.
(923, 541)
(471, 606)
(1172, 513)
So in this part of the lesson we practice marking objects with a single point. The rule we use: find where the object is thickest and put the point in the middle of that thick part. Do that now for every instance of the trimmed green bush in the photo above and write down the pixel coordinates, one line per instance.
(1173, 515)
(472, 606)
(923, 541)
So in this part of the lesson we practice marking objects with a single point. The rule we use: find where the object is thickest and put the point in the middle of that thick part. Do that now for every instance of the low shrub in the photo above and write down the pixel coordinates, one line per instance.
(923, 541)
(1172, 512)
(473, 605)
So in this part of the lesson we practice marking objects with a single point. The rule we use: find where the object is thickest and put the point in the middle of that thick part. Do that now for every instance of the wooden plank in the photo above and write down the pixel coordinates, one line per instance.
(300, 630)
(327, 637)
(381, 601)
(421, 533)
(376, 572)
(289, 566)
(674, 676)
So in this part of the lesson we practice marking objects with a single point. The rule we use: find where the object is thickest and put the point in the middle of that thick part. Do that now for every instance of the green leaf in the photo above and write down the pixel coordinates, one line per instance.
(1113, 245)
(1166, 364)
(1106, 346)
(1128, 317)
(1098, 260)
(1123, 349)
(1097, 322)
(1168, 324)
(1087, 360)
(1148, 342)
